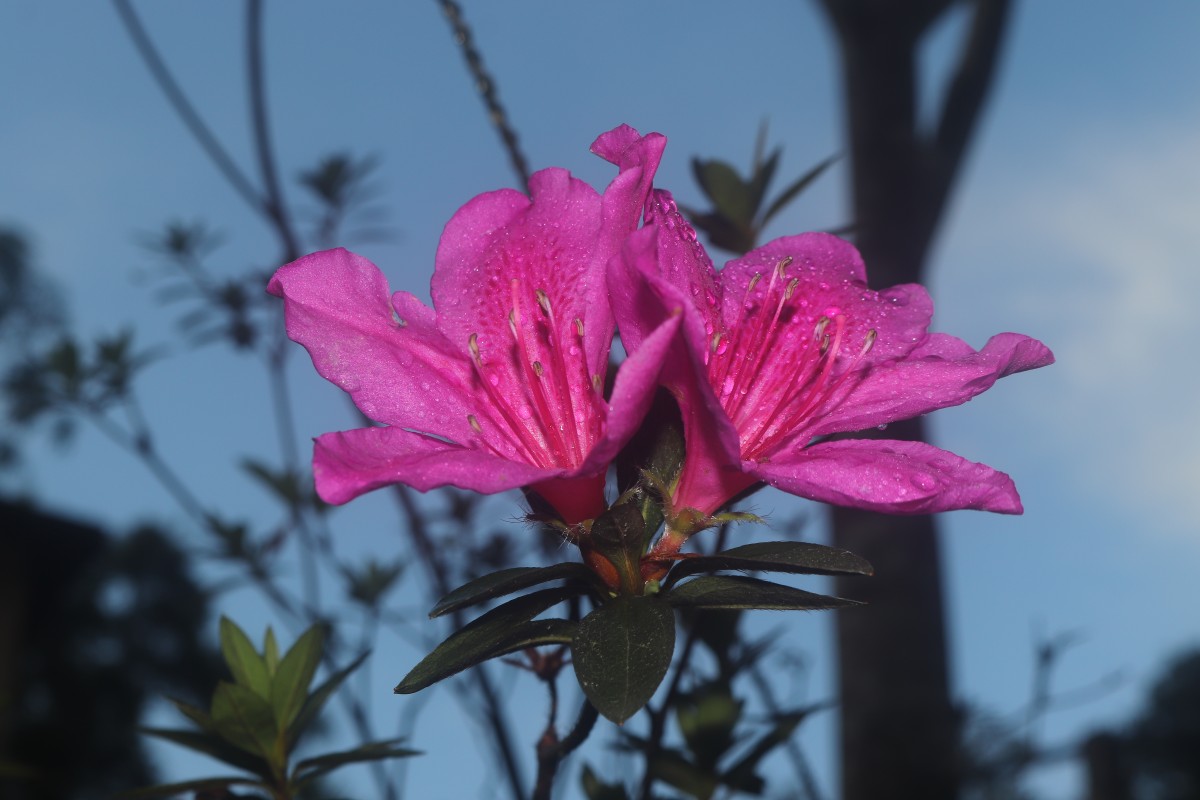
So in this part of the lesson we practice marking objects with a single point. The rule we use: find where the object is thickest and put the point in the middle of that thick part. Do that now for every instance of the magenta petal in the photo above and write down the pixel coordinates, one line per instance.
(892, 477)
(942, 371)
(402, 373)
(633, 391)
(350, 463)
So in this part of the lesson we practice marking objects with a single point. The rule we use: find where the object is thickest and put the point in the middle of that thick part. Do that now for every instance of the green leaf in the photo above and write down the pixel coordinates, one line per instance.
(761, 178)
(320, 765)
(271, 651)
(196, 715)
(695, 779)
(284, 483)
(214, 746)
(248, 667)
(172, 789)
(799, 558)
(245, 719)
(316, 701)
(728, 192)
(498, 632)
(791, 192)
(742, 774)
(729, 591)
(622, 651)
(596, 789)
(295, 673)
(707, 719)
(507, 581)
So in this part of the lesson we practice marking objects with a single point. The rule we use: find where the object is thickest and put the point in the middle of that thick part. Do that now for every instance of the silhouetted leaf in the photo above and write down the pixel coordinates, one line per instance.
(172, 789)
(316, 701)
(214, 746)
(317, 766)
(507, 581)
(789, 194)
(799, 558)
(728, 591)
(622, 651)
(498, 632)
(596, 789)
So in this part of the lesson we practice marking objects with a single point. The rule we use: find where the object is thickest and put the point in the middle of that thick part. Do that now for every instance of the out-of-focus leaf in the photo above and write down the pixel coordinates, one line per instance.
(296, 669)
(248, 667)
(622, 651)
(271, 651)
(742, 774)
(506, 581)
(790, 193)
(214, 746)
(728, 591)
(284, 484)
(245, 719)
(620, 534)
(498, 632)
(315, 767)
(173, 789)
(316, 700)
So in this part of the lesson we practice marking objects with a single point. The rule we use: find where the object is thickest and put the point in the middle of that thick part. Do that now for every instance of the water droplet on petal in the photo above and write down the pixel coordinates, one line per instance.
(924, 482)
(727, 387)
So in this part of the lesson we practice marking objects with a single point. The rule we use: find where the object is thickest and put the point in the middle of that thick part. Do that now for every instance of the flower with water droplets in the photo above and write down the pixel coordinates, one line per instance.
(786, 349)
(500, 385)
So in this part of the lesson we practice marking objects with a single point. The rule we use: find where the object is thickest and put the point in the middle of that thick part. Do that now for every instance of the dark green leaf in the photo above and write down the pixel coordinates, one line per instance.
(657, 447)
(697, 780)
(320, 765)
(507, 581)
(622, 651)
(271, 651)
(201, 718)
(742, 775)
(791, 192)
(498, 632)
(316, 701)
(172, 789)
(761, 179)
(214, 746)
(729, 591)
(799, 558)
(295, 673)
(707, 719)
(248, 667)
(728, 192)
(245, 720)
(595, 789)
(283, 483)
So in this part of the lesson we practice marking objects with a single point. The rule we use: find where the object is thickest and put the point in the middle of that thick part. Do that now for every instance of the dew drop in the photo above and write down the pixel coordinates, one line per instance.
(727, 387)
(524, 412)
(924, 482)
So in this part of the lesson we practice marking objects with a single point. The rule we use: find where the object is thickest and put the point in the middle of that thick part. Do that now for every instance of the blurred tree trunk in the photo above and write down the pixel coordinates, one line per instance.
(899, 731)
(1107, 771)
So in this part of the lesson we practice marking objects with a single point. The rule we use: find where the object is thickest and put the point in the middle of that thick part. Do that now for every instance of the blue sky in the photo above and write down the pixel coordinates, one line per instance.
(1075, 222)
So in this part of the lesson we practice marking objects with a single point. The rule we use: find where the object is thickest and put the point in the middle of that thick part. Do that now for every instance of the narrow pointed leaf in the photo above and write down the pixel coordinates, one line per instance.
(622, 651)
(245, 719)
(313, 768)
(729, 591)
(507, 581)
(173, 789)
(790, 193)
(214, 746)
(248, 667)
(742, 774)
(596, 789)
(295, 673)
(271, 651)
(728, 192)
(316, 701)
(196, 715)
(798, 558)
(761, 179)
(498, 632)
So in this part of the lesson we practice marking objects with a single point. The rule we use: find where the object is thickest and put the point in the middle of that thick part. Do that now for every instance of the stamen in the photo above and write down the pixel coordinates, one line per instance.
(782, 265)
(473, 421)
(537, 369)
(791, 288)
(716, 341)
(578, 327)
(597, 384)
(473, 346)
(543, 300)
(753, 282)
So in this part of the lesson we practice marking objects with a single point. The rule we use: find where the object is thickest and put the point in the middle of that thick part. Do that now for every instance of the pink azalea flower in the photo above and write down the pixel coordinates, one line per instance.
(500, 384)
(787, 347)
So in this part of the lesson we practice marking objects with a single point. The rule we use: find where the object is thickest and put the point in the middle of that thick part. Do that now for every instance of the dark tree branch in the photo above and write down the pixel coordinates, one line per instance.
(486, 86)
(187, 112)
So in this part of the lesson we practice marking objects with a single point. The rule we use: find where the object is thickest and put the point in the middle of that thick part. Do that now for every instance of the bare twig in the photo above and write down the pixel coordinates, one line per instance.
(486, 86)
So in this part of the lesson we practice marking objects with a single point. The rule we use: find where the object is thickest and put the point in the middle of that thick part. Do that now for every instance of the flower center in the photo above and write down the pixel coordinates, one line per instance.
(771, 371)
(544, 408)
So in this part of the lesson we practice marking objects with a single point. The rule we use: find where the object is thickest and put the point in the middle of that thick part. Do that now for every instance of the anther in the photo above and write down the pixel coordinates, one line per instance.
(578, 326)
(716, 341)
(512, 323)
(753, 282)
(819, 330)
(474, 423)
(537, 368)
(543, 300)
(868, 343)
(597, 384)
(473, 346)
(824, 344)
(782, 265)
(791, 288)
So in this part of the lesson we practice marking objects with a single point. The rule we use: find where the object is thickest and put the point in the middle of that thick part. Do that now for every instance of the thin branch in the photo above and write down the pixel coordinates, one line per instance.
(187, 112)
(551, 751)
(486, 86)
(273, 205)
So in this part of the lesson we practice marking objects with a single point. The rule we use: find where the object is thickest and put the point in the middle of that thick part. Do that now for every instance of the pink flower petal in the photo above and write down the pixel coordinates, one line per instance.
(942, 371)
(354, 462)
(401, 373)
(892, 477)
